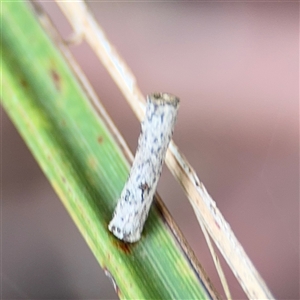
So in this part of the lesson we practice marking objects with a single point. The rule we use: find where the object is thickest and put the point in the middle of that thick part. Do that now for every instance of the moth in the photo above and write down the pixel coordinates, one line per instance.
(137, 195)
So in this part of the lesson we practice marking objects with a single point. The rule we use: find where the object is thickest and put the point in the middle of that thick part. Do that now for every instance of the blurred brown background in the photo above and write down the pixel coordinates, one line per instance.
(235, 66)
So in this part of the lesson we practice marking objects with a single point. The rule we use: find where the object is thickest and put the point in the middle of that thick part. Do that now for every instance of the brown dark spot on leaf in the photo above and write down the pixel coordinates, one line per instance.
(56, 79)
(124, 247)
(24, 83)
(100, 139)
(63, 123)
(63, 179)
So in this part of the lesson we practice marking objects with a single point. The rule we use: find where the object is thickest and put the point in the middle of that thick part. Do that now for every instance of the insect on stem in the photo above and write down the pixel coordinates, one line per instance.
(134, 203)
